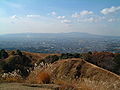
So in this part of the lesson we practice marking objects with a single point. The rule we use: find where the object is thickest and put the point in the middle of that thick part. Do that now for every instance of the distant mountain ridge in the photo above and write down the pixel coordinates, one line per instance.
(53, 35)
(56, 35)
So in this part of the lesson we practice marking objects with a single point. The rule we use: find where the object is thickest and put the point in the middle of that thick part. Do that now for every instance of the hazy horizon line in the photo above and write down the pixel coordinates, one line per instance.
(55, 33)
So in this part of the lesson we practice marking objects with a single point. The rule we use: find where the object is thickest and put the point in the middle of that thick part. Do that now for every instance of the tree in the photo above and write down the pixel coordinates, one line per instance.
(117, 65)
(70, 55)
(16, 62)
(18, 52)
(2, 64)
(90, 52)
(77, 55)
(3, 54)
(51, 58)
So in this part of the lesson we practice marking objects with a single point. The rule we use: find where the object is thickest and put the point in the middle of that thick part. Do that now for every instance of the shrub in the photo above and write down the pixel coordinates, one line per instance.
(43, 77)
(117, 65)
(69, 55)
(117, 59)
(77, 55)
(3, 54)
(22, 63)
(51, 59)
(66, 55)
(18, 52)
(90, 52)
(2, 64)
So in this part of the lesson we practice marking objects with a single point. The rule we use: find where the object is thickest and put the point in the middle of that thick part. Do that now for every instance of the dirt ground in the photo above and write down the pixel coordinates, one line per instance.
(20, 86)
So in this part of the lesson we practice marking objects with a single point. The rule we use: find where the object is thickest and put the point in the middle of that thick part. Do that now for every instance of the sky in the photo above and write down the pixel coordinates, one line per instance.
(100, 17)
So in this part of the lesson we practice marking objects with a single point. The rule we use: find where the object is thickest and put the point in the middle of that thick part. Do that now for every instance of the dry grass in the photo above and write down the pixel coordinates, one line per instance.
(11, 78)
(87, 84)
(43, 77)
(65, 86)
(95, 78)
(39, 76)
(37, 56)
(64, 74)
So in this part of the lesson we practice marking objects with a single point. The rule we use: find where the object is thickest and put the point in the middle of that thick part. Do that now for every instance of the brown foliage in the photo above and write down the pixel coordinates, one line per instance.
(43, 77)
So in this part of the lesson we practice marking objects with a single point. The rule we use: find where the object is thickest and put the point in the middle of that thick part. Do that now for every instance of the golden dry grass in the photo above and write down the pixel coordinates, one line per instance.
(91, 77)
(11, 79)
(64, 71)
(37, 56)
(87, 84)
(39, 76)
(65, 86)
(43, 77)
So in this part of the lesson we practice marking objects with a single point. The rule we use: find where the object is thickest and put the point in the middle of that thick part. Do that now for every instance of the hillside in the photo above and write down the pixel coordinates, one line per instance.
(77, 71)
(80, 74)
(37, 56)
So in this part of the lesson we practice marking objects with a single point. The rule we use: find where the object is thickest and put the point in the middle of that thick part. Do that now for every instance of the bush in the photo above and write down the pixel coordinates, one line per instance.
(69, 55)
(117, 64)
(51, 58)
(66, 55)
(90, 52)
(117, 59)
(18, 52)
(43, 77)
(3, 54)
(77, 55)
(2, 65)
(87, 57)
(22, 63)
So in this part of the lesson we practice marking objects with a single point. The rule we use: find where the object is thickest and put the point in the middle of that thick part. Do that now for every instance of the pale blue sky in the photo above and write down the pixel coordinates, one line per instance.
(54, 16)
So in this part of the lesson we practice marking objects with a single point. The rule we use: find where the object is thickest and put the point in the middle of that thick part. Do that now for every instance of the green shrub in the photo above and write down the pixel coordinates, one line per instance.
(77, 55)
(69, 55)
(15, 62)
(18, 52)
(90, 52)
(117, 64)
(51, 58)
(2, 64)
(3, 54)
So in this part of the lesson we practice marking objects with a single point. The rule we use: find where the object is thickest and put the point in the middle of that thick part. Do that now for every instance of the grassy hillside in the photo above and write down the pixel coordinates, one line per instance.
(77, 71)
(80, 74)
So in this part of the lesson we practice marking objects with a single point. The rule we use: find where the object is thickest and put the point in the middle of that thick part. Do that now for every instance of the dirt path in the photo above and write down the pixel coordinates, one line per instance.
(19, 86)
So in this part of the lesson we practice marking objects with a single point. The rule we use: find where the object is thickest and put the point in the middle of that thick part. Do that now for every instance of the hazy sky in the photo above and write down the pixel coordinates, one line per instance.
(52, 16)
